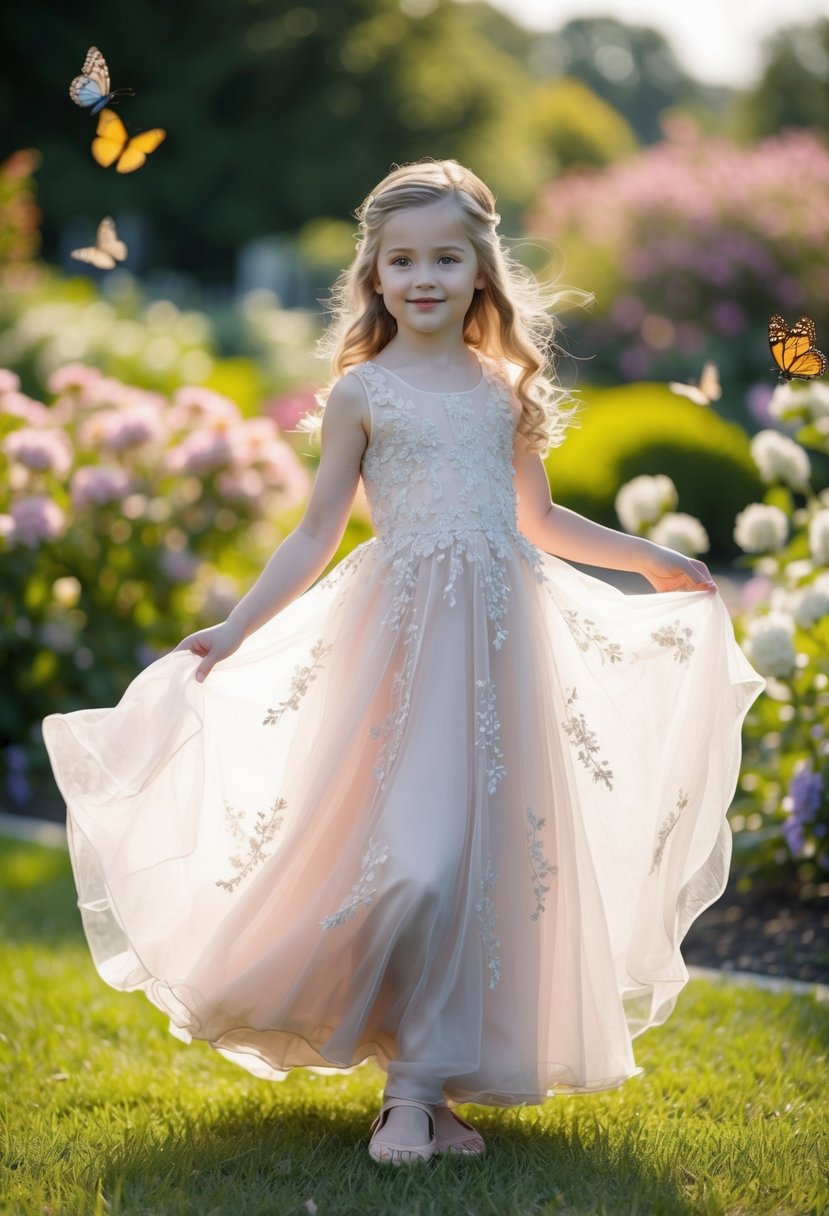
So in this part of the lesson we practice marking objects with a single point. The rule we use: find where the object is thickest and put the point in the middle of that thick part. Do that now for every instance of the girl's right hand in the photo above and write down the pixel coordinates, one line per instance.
(212, 645)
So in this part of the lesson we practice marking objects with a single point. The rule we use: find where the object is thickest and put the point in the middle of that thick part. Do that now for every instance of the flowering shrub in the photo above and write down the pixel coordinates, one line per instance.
(781, 814)
(644, 507)
(126, 520)
(690, 246)
(785, 629)
(782, 810)
(19, 213)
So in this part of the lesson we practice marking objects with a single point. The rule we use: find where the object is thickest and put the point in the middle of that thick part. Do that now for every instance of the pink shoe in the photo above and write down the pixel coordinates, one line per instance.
(455, 1135)
(387, 1151)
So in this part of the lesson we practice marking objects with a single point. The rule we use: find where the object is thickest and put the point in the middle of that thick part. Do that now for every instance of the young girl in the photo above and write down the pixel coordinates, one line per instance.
(456, 806)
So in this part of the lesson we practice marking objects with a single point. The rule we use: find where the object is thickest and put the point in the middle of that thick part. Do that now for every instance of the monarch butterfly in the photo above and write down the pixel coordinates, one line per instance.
(794, 351)
(708, 389)
(107, 250)
(91, 89)
(114, 145)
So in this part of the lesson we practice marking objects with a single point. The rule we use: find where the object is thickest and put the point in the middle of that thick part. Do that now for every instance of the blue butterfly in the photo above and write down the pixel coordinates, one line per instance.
(91, 89)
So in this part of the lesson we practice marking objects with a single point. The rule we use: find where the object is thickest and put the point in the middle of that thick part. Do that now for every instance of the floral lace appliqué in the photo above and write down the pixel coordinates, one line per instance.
(487, 734)
(362, 893)
(586, 634)
(540, 868)
(439, 479)
(665, 830)
(488, 923)
(678, 638)
(580, 735)
(394, 723)
(265, 826)
(304, 674)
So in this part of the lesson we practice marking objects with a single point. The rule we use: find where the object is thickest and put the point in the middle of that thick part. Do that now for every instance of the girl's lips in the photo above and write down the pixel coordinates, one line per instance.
(424, 303)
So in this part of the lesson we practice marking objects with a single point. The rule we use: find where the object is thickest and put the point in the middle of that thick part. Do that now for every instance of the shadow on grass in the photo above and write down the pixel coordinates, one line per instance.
(252, 1160)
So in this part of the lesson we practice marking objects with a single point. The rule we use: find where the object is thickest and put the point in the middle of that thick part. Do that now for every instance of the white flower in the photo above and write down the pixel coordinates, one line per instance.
(819, 537)
(644, 499)
(780, 459)
(760, 528)
(809, 604)
(769, 645)
(682, 532)
(791, 402)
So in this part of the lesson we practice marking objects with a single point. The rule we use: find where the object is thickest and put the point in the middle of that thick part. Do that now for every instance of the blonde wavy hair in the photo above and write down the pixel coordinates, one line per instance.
(509, 320)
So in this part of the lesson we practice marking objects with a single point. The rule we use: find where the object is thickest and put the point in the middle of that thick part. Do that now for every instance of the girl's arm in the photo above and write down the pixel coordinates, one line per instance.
(306, 551)
(569, 535)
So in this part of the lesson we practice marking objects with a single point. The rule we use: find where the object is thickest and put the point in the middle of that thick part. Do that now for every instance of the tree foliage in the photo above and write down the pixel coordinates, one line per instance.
(794, 87)
(276, 111)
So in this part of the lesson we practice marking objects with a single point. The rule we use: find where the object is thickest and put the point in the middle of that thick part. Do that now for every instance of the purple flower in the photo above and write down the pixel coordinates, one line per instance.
(41, 451)
(92, 486)
(806, 793)
(18, 787)
(35, 519)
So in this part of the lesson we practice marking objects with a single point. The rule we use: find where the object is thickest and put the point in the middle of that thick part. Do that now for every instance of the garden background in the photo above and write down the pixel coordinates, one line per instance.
(149, 460)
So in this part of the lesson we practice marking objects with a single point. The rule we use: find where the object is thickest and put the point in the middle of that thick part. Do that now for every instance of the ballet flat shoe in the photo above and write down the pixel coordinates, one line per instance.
(387, 1152)
(462, 1139)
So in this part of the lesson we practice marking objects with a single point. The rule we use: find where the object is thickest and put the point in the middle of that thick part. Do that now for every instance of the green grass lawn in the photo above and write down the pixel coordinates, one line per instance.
(104, 1112)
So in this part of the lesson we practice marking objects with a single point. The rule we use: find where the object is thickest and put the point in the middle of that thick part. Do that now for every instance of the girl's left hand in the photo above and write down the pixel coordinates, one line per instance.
(667, 570)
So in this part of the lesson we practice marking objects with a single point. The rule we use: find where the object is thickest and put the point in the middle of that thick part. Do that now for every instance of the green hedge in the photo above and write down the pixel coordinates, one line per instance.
(645, 428)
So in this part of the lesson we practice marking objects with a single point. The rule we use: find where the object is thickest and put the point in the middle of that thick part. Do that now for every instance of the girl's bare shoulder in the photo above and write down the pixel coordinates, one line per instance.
(347, 403)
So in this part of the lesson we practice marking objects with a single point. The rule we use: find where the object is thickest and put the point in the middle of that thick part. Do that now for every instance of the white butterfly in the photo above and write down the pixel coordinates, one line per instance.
(106, 251)
(709, 388)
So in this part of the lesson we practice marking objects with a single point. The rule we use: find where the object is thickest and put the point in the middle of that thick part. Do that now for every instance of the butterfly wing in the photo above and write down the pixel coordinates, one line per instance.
(691, 391)
(793, 349)
(94, 256)
(111, 139)
(709, 381)
(91, 88)
(107, 251)
(107, 240)
(808, 365)
(706, 391)
(138, 149)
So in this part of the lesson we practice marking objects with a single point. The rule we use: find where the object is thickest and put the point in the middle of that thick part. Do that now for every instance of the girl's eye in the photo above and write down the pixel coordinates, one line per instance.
(447, 258)
(401, 261)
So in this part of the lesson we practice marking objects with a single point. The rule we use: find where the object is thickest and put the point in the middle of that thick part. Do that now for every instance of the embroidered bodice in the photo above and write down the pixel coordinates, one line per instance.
(438, 467)
(439, 479)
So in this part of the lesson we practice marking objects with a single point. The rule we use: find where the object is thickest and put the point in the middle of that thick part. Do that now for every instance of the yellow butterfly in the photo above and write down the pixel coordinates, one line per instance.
(114, 145)
(708, 389)
(794, 351)
(107, 250)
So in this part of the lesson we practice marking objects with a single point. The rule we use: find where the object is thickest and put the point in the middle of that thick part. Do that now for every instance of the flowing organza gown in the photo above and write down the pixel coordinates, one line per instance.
(454, 808)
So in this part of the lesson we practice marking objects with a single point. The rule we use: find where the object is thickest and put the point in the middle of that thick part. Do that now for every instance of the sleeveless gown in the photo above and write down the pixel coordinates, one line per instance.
(454, 808)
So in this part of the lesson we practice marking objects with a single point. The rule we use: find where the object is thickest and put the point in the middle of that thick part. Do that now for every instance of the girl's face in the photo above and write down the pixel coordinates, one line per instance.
(427, 269)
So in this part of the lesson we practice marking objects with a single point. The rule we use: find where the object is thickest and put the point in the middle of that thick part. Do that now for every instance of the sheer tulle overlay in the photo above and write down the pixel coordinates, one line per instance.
(455, 808)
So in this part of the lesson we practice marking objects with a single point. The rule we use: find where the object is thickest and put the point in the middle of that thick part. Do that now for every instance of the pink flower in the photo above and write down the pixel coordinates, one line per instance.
(18, 405)
(117, 430)
(9, 381)
(93, 485)
(201, 452)
(288, 409)
(241, 485)
(193, 405)
(40, 450)
(73, 376)
(36, 519)
(282, 470)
